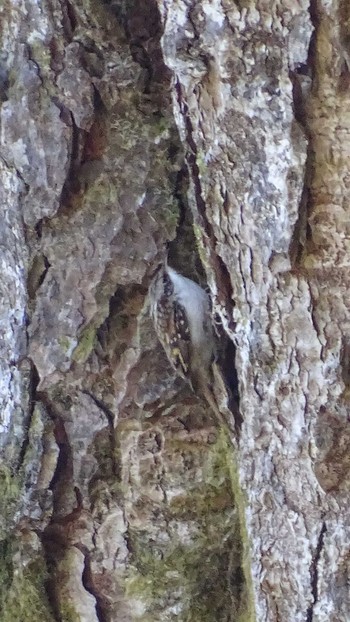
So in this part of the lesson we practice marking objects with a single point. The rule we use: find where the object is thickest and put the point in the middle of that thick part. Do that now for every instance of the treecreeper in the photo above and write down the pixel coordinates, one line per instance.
(181, 312)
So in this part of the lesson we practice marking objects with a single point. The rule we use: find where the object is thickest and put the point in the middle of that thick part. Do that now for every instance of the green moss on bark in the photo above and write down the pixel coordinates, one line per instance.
(10, 487)
(85, 345)
(202, 577)
(23, 597)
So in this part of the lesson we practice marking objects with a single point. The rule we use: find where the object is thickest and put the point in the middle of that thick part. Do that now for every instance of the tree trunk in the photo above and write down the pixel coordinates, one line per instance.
(216, 133)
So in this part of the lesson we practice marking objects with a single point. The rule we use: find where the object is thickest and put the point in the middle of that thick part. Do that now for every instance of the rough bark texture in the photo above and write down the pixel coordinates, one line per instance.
(218, 130)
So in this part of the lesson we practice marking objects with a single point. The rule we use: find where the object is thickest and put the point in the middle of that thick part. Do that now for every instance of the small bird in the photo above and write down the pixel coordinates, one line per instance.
(181, 313)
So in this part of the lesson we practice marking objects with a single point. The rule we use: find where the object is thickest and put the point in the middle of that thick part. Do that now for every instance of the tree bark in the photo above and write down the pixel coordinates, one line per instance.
(217, 133)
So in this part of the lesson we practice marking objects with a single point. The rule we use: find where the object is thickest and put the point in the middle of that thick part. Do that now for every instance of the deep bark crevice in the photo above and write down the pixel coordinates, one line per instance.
(54, 548)
(88, 583)
(124, 306)
(63, 475)
(143, 29)
(225, 293)
(54, 537)
(345, 360)
(32, 399)
(112, 436)
(37, 274)
(70, 196)
(304, 81)
(314, 572)
(69, 19)
(231, 378)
